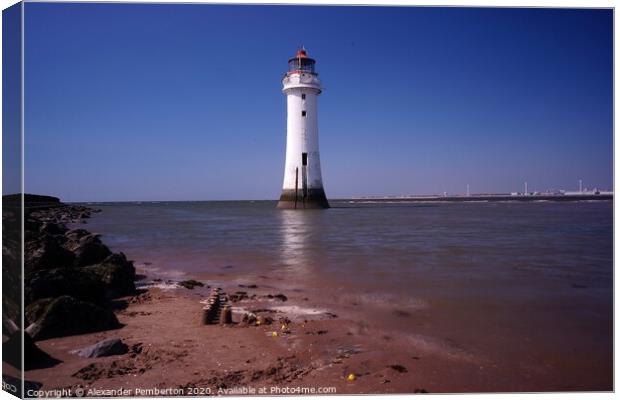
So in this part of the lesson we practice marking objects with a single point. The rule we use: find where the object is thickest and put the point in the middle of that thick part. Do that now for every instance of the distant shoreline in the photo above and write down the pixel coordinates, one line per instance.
(400, 199)
(489, 197)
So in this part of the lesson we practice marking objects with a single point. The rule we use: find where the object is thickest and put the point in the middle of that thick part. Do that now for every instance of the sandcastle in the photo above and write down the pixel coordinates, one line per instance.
(217, 310)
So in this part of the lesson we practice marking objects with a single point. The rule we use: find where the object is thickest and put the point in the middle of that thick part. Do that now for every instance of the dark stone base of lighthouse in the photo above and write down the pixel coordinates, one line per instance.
(295, 199)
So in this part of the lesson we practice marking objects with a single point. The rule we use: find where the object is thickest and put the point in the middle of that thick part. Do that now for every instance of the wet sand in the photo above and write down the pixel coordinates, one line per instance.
(314, 350)
(316, 347)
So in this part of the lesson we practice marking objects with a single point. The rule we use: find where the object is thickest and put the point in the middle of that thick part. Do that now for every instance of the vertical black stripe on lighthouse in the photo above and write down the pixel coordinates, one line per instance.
(304, 175)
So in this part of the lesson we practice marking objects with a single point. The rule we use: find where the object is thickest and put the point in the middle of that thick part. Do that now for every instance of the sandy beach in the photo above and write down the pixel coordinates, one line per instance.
(171, 351)
(170, 348)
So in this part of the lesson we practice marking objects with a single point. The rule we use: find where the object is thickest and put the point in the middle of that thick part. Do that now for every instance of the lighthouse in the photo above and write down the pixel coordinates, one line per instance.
(303, 186)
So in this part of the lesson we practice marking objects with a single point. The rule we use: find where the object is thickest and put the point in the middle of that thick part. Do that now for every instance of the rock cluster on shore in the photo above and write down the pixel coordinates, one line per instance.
(70, 276)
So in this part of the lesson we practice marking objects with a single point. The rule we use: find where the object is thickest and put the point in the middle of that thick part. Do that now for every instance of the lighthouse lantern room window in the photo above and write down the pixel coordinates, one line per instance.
(301, 63)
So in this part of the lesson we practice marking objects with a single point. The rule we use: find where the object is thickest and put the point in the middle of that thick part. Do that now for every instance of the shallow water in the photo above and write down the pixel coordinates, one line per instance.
(501, 281)
(384, 245)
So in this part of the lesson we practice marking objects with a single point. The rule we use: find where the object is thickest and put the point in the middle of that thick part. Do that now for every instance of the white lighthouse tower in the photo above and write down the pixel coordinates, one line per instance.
(303, 186)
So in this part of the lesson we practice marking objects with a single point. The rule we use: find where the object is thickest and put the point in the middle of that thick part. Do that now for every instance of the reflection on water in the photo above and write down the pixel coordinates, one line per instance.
(296, 233)
(303, 240)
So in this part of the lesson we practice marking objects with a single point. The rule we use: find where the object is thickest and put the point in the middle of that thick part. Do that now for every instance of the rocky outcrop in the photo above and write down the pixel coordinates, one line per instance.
(70, 276)
(11, 258)
(46, 251)
(116, 273)
(76, 282)
(67, 315)
(86, 247)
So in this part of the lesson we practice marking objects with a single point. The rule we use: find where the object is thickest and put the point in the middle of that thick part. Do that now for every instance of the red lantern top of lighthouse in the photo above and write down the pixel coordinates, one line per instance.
(301, 63)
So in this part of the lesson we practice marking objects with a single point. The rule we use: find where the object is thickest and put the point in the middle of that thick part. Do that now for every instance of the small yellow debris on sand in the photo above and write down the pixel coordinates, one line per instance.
(274, 333)
(351, 377)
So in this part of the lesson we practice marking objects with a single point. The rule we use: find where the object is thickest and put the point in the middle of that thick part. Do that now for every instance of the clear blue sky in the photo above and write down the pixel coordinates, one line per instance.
(174, 102)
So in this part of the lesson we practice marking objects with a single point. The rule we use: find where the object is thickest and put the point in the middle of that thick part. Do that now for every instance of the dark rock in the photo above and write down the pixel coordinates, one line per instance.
(76, 234)
(108, 347)
(35, 310)
(76, 282)
(58, 212)
(190, 284)
(67, 316)
(11, 258)
(32, 227)
(399, 368)
(45, 253)
(278, 296)
(52, 228)
(34, 200)
(11, 279)
(88, 250)
(119, 305)
(116, 273)
(68, 273)
(320, 332)
(34, 357)
(238, 296)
